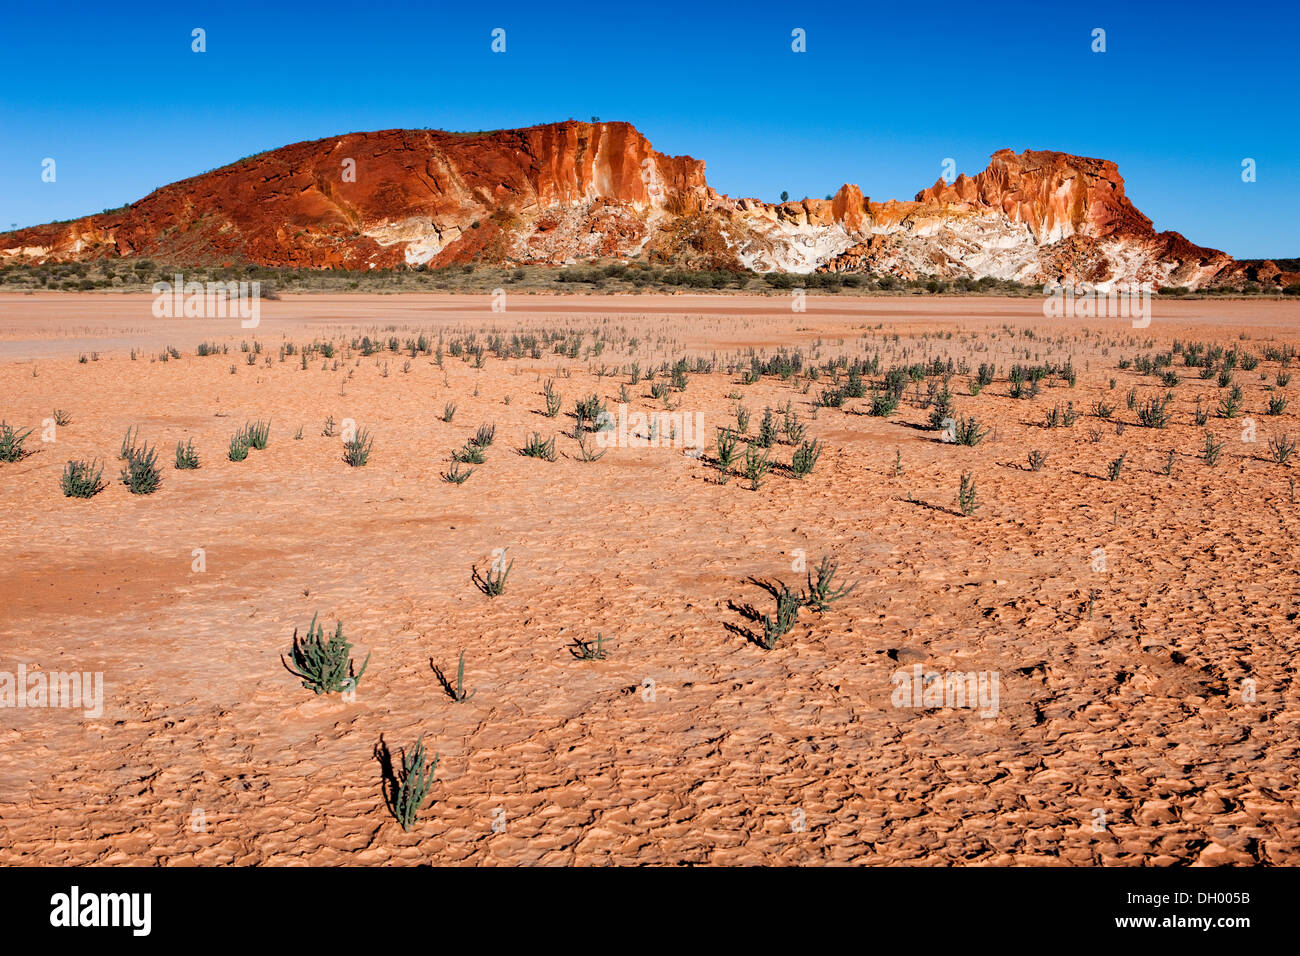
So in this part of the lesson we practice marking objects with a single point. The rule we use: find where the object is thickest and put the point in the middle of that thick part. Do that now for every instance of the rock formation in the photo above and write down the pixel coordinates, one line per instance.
(572, 192)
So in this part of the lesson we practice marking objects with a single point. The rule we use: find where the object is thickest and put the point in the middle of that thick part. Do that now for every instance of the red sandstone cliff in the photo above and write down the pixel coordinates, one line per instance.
(574, 191)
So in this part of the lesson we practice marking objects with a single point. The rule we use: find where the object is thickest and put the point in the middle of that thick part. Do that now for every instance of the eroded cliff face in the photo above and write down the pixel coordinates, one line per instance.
(569, 192)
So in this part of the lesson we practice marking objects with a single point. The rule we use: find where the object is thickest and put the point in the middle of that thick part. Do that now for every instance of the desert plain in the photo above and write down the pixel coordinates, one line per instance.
(1142, 624)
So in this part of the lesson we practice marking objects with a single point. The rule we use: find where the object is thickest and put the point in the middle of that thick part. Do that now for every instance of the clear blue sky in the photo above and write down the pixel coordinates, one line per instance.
(883, 94)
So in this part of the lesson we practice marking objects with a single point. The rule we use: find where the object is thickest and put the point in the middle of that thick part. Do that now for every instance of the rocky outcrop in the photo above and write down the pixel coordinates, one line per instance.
(569, 192)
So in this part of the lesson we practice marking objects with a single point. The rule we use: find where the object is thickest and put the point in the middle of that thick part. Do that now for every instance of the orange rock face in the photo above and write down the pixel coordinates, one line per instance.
(1057, 195)
(365, 199)
(573, 191)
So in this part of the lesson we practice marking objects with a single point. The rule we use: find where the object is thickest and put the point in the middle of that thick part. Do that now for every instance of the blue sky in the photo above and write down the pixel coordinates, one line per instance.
(884, 93)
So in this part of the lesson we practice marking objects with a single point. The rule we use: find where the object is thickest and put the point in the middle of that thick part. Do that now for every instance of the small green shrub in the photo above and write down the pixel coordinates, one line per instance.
(356, 451)
(325, 667)
(968, 431)
(460, 695)
(470, 455)
(238, 446)
(257, 434)
(140, 474)
(757, 465)
(187, 459)
(1280, 448)
(967, 499)
(822, 590)
(82, 479)
(590, 650)
(1213, 449)
(536, 448)
(727, 453)
(128, 443)
(787, 613)
(1116, 466)
(1154, 413)
(454, 475)
(493, 584)
(407, 794)
(805, 458)
(11, 443)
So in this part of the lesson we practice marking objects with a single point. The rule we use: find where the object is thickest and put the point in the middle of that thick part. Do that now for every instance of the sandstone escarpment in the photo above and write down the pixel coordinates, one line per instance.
(569, 192)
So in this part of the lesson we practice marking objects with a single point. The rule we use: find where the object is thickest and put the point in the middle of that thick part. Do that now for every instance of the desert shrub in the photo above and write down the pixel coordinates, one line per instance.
(822, 590)
(794, 429)
(140, 474)
(257, 434)
(586, 452)
(325, 667)
(805, 458)
(590, 650)
(1201, 415)
(787, 613)
(831, 398)
(493, 584)
(458, 693)
(1213, 449)
(1036, 460)
(943, 409)
(11, 443)
(1154, 413)
(128, 443)
(469, 455)
(552, 399)
(407, 794)
(1280, 448)
(1230, 404)
(454, 475)
(82, 479)
(534, 447)
(883, 404)
(187, 458)
(238, 446)
(356, 450)
(766, 430)
(757, 465)
(968, 431)
(587, 410)
(967, 499)
(1116, 466)
(726, 441)
(742, 419)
